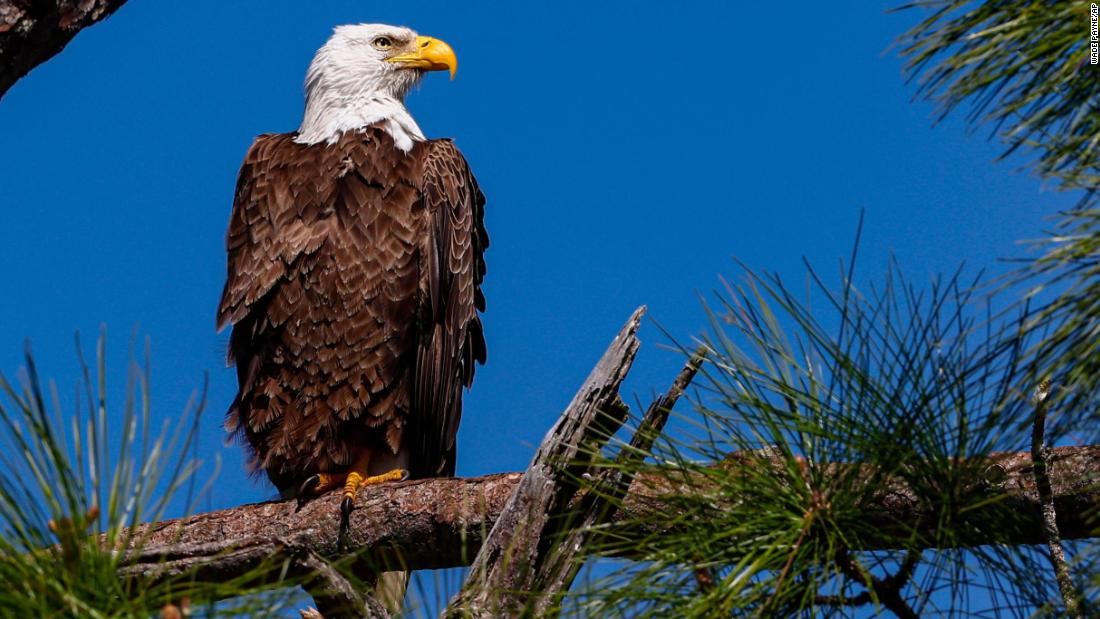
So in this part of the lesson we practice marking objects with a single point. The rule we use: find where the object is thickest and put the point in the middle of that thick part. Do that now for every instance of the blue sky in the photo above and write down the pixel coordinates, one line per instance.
(629, 151)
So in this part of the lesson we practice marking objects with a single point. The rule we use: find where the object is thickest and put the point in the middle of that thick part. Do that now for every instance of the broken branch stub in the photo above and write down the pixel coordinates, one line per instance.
(503, 576)
(600, 501)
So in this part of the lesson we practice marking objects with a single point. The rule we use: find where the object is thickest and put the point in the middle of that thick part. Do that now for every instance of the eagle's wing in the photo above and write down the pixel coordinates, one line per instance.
(268, 229)
(451, 337)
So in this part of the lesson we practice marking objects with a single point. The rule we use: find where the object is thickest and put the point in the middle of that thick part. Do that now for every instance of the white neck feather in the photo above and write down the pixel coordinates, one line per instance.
(328, 116)
(348, 88)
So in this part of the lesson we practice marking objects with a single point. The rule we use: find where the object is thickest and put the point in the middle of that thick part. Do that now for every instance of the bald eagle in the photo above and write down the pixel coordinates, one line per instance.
(354, 279)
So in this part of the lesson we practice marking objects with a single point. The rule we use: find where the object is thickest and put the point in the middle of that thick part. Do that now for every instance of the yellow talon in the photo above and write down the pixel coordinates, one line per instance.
(355, 480)
(351, 484)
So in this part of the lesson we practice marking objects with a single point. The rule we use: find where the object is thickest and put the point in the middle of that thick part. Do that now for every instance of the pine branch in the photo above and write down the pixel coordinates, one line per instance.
(33, 31)
(438, 523)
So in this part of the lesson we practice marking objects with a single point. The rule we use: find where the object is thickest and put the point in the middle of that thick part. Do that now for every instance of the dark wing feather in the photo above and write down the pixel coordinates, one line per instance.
(268, 228)
(451, 337)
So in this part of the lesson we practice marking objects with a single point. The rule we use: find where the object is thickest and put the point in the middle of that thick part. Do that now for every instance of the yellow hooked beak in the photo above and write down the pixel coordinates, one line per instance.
(430, 55)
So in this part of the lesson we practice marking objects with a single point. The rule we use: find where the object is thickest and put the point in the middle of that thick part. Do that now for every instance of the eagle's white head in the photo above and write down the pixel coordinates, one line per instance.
(361, 76)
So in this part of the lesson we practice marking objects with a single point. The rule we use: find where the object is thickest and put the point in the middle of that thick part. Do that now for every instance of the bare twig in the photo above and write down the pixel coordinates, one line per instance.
(892, 584)
(886, 590)
(861, 598)
(1070, 596)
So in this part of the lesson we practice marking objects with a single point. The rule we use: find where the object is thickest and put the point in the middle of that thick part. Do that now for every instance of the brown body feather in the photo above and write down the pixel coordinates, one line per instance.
(353, 289)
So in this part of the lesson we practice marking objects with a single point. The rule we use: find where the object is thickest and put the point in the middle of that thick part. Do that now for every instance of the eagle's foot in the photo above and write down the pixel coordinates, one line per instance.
(316, 485)
(352, 484)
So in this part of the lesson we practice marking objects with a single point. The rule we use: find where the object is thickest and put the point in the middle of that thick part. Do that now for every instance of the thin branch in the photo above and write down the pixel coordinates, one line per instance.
(1070, 596)
(891, 585)
(863, 597)
(905, 572)
(886, 591)
(335, 595)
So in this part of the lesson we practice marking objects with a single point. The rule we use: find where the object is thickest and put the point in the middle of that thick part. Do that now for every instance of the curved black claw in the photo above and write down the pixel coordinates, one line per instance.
(346, 506)
(306, 489)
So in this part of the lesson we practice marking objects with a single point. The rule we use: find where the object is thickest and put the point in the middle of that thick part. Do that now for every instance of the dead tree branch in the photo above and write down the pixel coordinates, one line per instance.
(508, 574)
(33, 31)
(600, 500)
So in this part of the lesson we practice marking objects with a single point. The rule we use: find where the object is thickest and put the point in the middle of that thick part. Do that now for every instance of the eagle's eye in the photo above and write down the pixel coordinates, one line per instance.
(382, 43)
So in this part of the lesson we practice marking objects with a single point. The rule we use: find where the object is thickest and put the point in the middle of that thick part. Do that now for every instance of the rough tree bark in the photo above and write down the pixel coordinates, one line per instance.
(33, 31)
(438, 523)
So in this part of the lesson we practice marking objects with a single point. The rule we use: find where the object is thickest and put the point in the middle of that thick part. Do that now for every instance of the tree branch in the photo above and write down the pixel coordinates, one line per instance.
(1070, 597)
(887, 591)
(438, 523)
(335, 595)
(33, 31)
